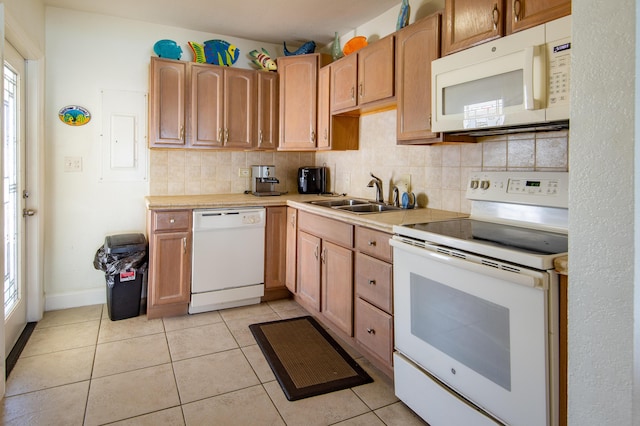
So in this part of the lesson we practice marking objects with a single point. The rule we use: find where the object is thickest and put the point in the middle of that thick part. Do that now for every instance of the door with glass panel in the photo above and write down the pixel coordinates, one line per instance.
(15, 192)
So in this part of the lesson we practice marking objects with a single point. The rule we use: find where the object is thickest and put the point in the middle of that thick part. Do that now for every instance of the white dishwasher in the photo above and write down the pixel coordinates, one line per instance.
(228, 258)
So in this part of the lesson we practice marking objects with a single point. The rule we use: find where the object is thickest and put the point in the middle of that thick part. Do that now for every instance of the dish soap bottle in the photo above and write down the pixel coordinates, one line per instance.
(336, 51)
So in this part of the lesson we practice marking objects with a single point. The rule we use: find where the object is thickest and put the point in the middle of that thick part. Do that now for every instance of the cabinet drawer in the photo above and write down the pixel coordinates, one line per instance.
(332, 230)
(374, 329)
(374, 243)
(373, 281)
(171, 220)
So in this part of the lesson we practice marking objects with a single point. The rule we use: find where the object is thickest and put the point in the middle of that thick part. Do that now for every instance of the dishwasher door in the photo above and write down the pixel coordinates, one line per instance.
(227, 258)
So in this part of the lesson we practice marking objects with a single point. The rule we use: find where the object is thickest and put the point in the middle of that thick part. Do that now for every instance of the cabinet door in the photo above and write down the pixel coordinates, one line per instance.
(309, 269)
(344, 81)
(298, 101)
(376, 64)
(239, 107)
(324, 113)
(275, 246)
(523, 14)
(337, 286)
(170, 269)
(471, 22)
(292, 244)
(206, 106)
(267, 114)
(167, 103)
(417, 46)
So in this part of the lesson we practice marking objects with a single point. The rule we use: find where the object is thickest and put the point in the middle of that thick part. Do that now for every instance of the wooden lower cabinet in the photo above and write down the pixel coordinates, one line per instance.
(325, 270)
(292, 249)
(169, 282)
(275, 254)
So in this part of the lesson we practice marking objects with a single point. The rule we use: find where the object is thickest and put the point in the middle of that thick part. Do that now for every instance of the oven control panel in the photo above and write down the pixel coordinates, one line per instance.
(536, 188)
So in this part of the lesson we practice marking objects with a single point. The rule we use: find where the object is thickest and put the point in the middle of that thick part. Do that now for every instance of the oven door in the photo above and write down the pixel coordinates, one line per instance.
(481, 330)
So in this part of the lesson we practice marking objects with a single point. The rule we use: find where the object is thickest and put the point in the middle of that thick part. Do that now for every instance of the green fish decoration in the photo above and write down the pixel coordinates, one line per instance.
(216, 52)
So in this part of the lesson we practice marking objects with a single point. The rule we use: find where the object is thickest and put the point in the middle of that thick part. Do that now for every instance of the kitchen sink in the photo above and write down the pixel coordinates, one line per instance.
(340, 203)
(353, 205)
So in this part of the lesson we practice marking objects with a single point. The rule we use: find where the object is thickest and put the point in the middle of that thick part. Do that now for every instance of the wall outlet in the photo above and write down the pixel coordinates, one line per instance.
(244, 172)
(72, 164)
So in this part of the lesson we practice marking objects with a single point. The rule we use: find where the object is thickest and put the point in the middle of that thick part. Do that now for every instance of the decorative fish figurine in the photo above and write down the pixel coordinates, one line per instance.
(263, 60)
(217, 52)
(403, 16)
(308, 47)
(167, 49)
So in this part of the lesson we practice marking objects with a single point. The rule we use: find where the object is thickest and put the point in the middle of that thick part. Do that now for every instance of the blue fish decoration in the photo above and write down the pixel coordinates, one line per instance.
(403, 15)
(308, 47)
(217, 52)
(167, 49)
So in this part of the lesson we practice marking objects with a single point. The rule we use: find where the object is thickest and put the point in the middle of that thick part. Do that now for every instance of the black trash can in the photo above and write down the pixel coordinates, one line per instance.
(123, 258)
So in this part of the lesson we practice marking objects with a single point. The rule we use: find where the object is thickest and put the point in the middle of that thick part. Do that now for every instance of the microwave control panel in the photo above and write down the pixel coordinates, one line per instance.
(559, 70)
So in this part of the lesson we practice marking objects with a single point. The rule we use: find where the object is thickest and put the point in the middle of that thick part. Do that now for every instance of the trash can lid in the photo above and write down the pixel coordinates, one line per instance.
(125, 243)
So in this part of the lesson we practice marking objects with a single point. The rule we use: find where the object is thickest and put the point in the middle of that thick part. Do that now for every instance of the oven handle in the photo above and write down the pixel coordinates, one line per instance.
(527, 277)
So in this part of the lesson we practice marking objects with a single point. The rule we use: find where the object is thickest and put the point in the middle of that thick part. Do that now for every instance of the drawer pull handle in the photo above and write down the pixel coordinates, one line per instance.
(372, 282)
(372, 243)
(495, 14)
(371, 331)
(172, 220)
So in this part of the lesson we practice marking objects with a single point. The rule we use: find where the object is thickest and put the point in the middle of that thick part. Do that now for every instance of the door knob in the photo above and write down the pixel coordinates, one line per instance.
(28, 212)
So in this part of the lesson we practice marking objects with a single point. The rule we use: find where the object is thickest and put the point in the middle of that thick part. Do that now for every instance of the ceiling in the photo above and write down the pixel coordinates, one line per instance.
(273, 21)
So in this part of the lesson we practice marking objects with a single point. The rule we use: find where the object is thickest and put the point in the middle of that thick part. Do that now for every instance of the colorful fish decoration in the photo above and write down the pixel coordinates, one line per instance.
(403, 15)
(308, 47)
(217, 52)
(263, 60)
(167, 49)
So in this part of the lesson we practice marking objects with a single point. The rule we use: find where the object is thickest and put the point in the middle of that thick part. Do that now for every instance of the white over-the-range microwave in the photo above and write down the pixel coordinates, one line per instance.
(515, 83)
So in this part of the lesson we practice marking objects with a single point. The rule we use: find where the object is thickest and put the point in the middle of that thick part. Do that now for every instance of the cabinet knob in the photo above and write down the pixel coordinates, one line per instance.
(172, 220)
(371, 331)
(372, 282)
(372, 243)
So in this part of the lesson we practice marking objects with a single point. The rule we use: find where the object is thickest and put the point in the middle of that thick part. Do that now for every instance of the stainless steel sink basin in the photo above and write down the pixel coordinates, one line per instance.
(368, 208)
(338, 203)
(354, 205)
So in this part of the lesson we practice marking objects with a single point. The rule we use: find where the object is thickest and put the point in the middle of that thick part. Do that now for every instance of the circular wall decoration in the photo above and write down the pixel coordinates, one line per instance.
(74, 115)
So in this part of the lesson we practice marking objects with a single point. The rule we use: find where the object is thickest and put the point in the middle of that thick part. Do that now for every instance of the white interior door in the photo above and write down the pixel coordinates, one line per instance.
(14, 172)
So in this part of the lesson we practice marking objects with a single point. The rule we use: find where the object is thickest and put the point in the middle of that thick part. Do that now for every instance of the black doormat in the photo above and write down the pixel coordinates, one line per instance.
(305, 359)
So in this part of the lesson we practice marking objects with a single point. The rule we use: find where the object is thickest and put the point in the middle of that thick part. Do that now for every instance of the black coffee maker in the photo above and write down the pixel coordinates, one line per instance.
(312, 180)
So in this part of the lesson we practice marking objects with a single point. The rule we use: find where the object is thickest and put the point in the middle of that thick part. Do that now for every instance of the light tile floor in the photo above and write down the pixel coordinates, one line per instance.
(79, 367)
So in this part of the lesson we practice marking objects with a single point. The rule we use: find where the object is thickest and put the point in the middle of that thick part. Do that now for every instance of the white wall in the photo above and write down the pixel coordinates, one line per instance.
(601, 246)
(85, 54)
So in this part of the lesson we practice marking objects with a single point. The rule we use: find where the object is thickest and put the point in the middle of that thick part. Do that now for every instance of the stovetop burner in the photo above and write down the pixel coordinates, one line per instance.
(498, 235)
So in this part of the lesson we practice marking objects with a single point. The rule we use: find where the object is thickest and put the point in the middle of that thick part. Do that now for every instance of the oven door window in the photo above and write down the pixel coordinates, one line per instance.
(469, 329)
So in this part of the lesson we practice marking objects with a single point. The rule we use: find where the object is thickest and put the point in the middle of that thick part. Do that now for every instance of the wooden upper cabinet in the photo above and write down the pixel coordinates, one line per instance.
(267, 114)
(239, 107)
(523, 14)
(471, 22)
(206, 106)
(376, 65)
(324, 109)
(167, 103)
(363, 77)
(417, 45)
(344, 75)
(298, 101)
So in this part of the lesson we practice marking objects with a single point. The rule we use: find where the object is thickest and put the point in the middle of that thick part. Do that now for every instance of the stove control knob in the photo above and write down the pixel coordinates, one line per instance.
(474, 184)
(484, 184)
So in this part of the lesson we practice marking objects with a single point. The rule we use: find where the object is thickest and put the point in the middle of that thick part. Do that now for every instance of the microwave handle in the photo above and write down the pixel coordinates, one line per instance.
(529, 74)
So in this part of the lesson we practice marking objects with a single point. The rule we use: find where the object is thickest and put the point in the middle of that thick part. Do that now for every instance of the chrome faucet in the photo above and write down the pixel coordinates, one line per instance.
(378, 184)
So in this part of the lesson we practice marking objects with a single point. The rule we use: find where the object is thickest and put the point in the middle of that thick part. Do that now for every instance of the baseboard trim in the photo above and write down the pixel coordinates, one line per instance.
(75, 299)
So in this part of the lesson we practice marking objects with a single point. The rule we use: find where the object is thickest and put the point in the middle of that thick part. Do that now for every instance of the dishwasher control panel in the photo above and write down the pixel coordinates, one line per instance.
(204, 219)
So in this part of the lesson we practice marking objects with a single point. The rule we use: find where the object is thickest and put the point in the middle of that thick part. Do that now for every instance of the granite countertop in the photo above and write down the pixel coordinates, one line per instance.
(380, 221)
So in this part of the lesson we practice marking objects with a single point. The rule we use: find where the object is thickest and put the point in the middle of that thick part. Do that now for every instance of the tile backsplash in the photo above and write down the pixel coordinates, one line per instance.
(438, 173)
